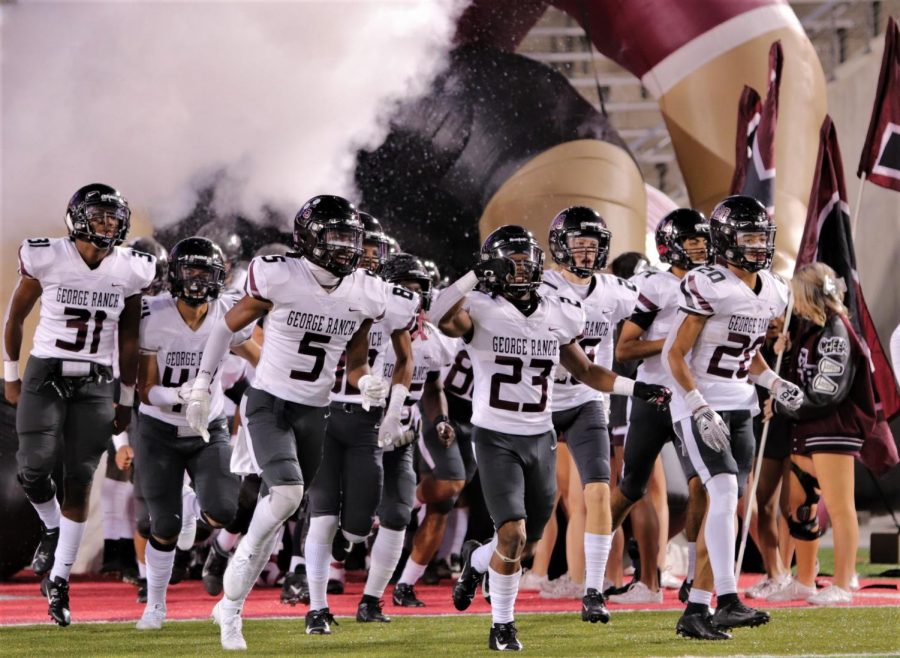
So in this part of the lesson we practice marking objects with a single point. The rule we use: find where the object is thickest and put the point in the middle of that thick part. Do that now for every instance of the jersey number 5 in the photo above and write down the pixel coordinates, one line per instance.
(515, 377)
(308, 348)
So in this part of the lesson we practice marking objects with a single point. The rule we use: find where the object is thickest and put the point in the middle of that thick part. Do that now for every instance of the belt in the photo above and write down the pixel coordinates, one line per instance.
(348, 407)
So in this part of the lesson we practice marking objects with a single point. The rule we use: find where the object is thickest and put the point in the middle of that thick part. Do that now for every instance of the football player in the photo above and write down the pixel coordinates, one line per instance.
(579, 244)
(516, 339)
(430, 352)
(316, 305)
(712, 352)
(682, 241)
(174, 329)
(89, 288)
(348, 487)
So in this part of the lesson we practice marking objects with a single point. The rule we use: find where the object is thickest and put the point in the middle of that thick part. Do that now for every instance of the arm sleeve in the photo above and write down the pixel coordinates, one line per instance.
(830, 383)
(450, 295)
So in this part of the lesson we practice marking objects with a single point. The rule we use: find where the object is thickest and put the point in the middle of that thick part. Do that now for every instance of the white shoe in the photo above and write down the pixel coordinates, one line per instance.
(188, 520)
(638, 593)
(562, 588)
(854, 582)
(230, 625)
(793, 591)
(766, 587)
(832, 595)
(152, 619)
(669, 580)
(531, 582)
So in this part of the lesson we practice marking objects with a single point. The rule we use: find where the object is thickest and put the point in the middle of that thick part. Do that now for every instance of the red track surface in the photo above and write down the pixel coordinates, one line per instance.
(107, 600)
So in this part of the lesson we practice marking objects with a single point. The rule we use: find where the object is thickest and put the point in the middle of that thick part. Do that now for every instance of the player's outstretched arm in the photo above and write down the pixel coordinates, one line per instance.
(25, 296)
(576, 362)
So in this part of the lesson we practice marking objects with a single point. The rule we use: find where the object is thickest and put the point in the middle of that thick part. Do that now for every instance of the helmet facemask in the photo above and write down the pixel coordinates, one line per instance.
(529, 267)
(338, 248)
(103, 224)
(374, 252)
(582, 250)
(751, 250)
(198, 279)
(692, 255)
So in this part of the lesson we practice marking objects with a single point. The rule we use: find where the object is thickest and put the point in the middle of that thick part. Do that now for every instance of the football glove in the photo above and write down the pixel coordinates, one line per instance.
(658, 396)
(374, 391)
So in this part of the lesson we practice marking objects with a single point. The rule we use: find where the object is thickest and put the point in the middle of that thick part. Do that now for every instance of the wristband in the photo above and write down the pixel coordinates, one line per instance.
(126, 395)
(120, 440)
(623, 386)
(766, 379)
(10, 371)
(441, 419)
(694, 400)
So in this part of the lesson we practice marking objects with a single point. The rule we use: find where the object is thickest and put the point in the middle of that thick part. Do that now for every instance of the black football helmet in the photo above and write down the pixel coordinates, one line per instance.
(196, 270)
(148, 245)
(435, 273)
(375, 239)
(509, 241)
(328, 232)
(737, 215)
(674, 229)
(406, 267)
(93, 203)
(225, 235)
(578, 222)
(394, 247)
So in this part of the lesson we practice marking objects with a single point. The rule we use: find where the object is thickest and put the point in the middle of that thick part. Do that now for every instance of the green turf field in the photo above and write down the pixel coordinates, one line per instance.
(873, 631)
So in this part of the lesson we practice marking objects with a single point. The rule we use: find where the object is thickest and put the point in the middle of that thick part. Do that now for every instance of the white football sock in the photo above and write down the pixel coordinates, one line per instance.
(159, 570)
(596, 553)
(70, 534)
(700, 596)
(48, 512)
(318, 556)
(385, 555)
(226, 540)
(503, 595)
(720, 529)
(481, 556)
(412, 572)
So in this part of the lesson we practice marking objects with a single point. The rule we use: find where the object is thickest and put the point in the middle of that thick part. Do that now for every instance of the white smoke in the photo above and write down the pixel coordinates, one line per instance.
(156, 99)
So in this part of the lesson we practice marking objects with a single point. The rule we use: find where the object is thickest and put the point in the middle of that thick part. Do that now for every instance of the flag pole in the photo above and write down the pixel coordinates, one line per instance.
(751, 494)
(858, 207)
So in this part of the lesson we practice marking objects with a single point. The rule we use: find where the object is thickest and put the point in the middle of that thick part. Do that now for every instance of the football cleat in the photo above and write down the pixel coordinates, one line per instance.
(340, 547)
(44, 554)
(405, 596)
(486, 586)
(152, 619)
(58, 599)
(464, 589)
(295, 588)
(142, 590)
(230, 627)
(735, 614)
(214, 569)
(371, 609)
(318, 622)
(593, 607)
(699, 626)
(504, 637)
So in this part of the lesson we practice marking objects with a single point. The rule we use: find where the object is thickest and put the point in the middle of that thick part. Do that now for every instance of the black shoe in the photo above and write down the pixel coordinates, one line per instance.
(735, 614)
(340, 547)
(455, 564)
(295, 588)
(504, 637)
(44, 554)
(58, 597)
(180, 566)
(214, 569)
(700, 626)
(486, 586)
(593, 607)
(112, 561)
(334, 586)
(405, 596)
(464, 589)
(318, 622)
(370, 609)
(128, 560)
(685, 590)
(142, 590)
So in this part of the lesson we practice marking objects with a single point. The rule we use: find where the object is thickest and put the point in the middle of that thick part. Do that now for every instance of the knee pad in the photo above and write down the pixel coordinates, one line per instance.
(631, 489)
(285, 499)
(806, 526)
(165, 548)
(322, 529)
(142, 525)
(443, 507)
(39, 487)
(352, 538)
(166, 527)
(221, 514)
(395, 516)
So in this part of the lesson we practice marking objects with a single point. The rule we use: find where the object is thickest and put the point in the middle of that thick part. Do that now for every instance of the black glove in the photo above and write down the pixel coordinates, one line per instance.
(494, 270)
(658, 396)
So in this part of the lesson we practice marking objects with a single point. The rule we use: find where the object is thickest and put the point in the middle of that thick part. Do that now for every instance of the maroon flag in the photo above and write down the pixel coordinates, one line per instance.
(827, 238)
(880, 159)
(754, 162)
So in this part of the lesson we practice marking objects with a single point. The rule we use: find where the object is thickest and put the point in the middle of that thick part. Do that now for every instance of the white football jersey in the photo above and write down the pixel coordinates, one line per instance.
(80, 306)
(402, 307)
(659, 293)
(308, 328)
(178, 350)
(736, 328)
(609, 299)
(514, 358)
(430, 354)
(458, 376)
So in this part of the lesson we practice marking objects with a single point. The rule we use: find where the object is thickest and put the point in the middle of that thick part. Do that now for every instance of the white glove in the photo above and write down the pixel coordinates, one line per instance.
(374, 391)
(787, 394)
(390, 431)
(184, 391)
(197, 412)
(712, 428)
